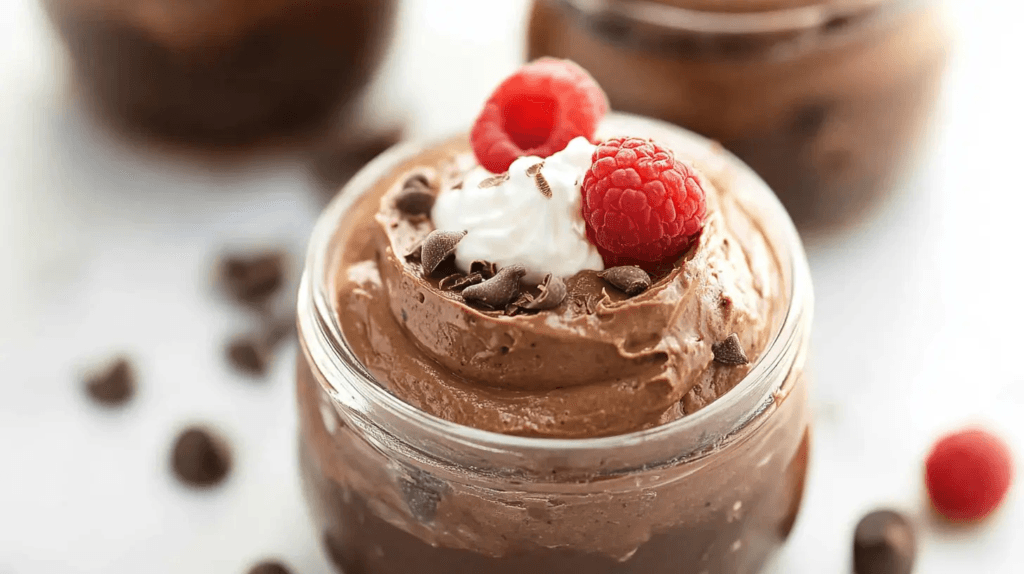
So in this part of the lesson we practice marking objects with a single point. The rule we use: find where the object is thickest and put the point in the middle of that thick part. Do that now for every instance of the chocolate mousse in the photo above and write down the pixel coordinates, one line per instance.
(827, 100)
(222, 71)
(513, 306)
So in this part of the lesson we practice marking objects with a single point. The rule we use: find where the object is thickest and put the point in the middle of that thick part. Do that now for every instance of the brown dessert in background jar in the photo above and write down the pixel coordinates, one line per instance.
(827, 101)
(223, 71)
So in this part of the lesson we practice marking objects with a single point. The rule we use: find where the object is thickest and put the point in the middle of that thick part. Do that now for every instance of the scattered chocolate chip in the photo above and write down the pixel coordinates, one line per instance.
(269, 567)
(437, 247)
(552, 293)
(199, 458)
(458, 281)
(730, 351)
(484, 268)
(114, 385)
(253, 278)
(542, 184)
(494, 181)
(248, 355)
(498, 291)
(414, 201)
(884, 543)
(629, 279)
(534, 169)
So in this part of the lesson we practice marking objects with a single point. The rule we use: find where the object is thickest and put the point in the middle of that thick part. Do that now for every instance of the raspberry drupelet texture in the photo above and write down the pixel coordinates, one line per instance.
(967, 474)
(641, 205)
(537, 111)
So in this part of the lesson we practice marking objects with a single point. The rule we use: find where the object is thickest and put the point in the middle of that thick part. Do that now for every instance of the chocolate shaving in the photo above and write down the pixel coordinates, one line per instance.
(552, 293)
(516, 307)
(459, 281)
(729, 351)
(484, 268)
(414, 201)
(629, 279)
(534, 169)
(494, 181)
(415, 252)
(542, 184)
(437, 247)
(498, 291)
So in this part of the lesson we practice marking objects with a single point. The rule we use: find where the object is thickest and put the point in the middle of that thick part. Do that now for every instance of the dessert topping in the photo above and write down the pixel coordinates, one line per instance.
(967, 474)
(730, 351)
(415, 199)
(485, 268)
(552, 293)
(511, 223)
(498, 291)
(629, 279)
(459, 281)
(640, 204)
(537, 111)
(437, 247)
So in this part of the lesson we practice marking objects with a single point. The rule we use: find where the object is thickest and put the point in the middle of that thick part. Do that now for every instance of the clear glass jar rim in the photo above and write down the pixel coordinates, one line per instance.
(319, 330)
(781, 20)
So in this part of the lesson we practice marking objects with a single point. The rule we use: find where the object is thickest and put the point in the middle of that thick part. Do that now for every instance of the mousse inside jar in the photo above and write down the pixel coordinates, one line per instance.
(599, 363)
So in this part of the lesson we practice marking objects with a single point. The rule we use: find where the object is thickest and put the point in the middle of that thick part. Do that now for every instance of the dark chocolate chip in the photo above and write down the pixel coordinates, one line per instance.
(494, 181)
(249, 355)
(414, 201)
(552, 293)
(730, 351)
(542, 184)
(416, 181)
(269, 567)
(458, 281)
(114, 385)
(253, 278)
(437, 247)
(629, 279)
(884, 543)
(422, 493)
(498, 291)
(484, 268)
(199, 458)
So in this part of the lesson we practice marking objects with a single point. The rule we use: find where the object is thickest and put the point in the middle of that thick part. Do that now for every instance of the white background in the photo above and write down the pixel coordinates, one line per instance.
(105, 248)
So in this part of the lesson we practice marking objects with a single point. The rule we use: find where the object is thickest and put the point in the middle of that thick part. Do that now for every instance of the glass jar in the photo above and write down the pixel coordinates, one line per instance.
(223, 71)
(826, 100)
(395, 490)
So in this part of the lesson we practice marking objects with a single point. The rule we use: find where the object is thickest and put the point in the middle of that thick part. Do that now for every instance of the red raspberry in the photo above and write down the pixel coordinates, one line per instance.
(968, 474)
(641, 205)
(537, 111)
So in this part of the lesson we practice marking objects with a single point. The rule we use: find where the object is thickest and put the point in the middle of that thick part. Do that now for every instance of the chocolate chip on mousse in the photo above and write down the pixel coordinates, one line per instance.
(415, 199)
(498, 291)
(884, 543)
(459, 281)
(484, 268)
(730, 351)
(437, 247)
(552, 293)
(629, 279)
(114, 385)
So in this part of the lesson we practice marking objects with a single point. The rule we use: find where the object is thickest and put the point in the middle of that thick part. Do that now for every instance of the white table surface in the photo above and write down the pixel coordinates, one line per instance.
(105, 248)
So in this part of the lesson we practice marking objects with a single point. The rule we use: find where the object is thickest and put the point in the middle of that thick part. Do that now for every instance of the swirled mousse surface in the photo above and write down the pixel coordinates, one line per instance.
(600, 363)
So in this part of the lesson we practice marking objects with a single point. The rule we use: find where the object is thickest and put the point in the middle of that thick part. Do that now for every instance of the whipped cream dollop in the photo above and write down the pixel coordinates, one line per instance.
(532, 218)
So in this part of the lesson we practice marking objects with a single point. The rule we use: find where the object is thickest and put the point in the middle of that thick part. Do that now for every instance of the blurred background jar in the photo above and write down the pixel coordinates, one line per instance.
(827, 101)
(214, 72)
